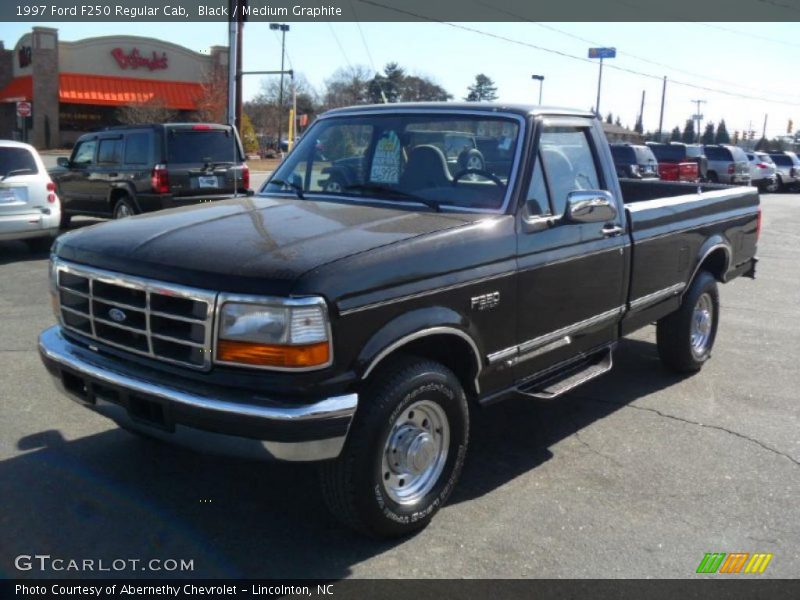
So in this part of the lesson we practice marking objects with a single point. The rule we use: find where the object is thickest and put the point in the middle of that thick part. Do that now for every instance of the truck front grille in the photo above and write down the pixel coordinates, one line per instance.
(168, 322)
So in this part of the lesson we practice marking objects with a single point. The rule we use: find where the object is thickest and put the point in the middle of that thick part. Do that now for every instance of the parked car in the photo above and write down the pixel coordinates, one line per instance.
(762, 171)
(364, 330)
(122, 171)
(637, 162)
(696, 154)
(787, 166)
(727, 164)
(674, 162)
(29, 206)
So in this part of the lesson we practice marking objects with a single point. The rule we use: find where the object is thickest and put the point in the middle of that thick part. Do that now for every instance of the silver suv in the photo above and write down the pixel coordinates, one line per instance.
(788, 166)
(727, 164)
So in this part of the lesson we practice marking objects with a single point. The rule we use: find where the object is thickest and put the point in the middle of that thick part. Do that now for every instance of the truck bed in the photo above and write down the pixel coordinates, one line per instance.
(673, 226)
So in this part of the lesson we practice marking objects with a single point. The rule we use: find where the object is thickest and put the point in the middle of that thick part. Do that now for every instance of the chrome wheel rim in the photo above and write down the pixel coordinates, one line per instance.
(123, 210)
(415, 452)
(702, 322)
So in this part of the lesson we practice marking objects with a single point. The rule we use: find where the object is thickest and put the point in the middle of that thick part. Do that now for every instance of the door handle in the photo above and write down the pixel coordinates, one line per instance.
(612, 230)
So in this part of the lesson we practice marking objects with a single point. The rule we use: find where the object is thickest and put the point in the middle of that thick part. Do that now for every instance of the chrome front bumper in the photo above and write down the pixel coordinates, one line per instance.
(203, 417)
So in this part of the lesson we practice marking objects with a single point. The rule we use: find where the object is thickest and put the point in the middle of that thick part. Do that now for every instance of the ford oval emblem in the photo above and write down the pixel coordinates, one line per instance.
(117, 315)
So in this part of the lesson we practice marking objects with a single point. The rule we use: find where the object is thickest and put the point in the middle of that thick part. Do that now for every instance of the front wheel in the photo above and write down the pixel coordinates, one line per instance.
(404, 452)
(685, 338)
(124, 208)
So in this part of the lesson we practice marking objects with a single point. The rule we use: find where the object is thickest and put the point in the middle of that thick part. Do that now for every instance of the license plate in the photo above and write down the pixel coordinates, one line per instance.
(207, 182)
(7, 196)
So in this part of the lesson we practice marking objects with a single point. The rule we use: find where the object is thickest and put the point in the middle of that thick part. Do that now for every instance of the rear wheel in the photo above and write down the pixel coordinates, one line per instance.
(404, 452)
(124, 208)
(712, 177)
(685, 338)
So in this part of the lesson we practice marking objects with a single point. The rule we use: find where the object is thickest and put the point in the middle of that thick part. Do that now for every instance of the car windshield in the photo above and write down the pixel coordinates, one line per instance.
(16, 160)
(457, 161)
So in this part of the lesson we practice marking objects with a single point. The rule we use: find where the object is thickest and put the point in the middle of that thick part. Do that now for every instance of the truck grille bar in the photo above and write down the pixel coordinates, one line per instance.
(168, 322)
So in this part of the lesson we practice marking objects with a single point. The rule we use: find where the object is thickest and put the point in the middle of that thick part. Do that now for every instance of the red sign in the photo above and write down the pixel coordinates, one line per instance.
(24, 109)
(134, 60)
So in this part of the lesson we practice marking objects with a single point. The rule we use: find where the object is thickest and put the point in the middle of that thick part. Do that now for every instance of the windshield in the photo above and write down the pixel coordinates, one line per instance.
(461, 161)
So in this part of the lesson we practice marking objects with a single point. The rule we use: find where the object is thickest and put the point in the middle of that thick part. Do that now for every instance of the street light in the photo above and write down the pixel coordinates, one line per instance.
(540, 79)
(283, 29)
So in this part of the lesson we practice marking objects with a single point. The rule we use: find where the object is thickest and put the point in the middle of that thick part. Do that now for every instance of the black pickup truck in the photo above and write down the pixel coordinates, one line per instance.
(361, 327)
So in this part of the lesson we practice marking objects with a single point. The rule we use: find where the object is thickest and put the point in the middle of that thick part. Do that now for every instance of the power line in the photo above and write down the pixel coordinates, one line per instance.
(755, 36)
(633, 56)
(574, 57)
(363, 39)
(338, 43)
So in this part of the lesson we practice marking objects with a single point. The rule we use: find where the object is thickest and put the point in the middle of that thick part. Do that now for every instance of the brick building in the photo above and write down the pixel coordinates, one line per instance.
(81, 86)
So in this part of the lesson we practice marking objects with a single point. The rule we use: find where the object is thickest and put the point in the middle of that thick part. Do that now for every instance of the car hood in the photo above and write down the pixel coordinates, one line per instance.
(256, 245)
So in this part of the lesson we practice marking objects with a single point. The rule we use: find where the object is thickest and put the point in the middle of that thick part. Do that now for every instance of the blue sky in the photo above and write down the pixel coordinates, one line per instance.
(758, 60)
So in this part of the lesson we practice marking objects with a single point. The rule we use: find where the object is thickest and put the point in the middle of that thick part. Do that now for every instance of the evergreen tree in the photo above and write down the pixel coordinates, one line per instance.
(722, 134)
(248, 135)
(609, 118)
(483, 90)
(708, 134)
(675, 136)
(688, 135)
(639, 127)
(763, 145)
(618, 122)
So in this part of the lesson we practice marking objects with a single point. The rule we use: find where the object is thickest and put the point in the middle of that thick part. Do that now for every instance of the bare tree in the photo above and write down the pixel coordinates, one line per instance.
(348, 86)
(213, 101)
(152, 111)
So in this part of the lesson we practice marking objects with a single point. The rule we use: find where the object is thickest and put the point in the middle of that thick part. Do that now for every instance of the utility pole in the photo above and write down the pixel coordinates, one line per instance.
(239, 37)
(540, 79)
(698, 116)
(661, 117)
(764, 131)
(233, 34)
(641, 112)
(599, 83)
(283, 29)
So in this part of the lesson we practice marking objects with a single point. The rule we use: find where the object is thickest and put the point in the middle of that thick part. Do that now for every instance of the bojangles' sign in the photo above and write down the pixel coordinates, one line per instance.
(134, 60)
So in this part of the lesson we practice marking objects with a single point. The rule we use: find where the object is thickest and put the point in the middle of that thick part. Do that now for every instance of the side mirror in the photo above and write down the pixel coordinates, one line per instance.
(62, 161)
(590, 206)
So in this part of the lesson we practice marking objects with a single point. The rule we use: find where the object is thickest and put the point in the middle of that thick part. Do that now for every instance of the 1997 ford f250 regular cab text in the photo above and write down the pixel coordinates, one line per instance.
(405, 265)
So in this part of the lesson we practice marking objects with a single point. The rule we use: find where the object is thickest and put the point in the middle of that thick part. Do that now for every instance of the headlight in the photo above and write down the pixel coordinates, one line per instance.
(280, 334)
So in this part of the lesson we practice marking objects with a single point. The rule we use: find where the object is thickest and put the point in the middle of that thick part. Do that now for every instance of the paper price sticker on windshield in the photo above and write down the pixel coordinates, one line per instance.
(386, 160)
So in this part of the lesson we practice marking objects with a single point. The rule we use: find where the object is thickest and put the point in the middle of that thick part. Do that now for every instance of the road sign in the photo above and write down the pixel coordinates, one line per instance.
(24, 109)
(602, 52)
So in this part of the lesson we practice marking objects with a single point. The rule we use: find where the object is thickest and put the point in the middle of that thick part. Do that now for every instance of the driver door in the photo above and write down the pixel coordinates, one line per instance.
(571, 275)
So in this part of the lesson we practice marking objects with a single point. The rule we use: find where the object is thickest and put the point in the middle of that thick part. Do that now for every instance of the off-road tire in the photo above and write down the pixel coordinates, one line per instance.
(353, 484)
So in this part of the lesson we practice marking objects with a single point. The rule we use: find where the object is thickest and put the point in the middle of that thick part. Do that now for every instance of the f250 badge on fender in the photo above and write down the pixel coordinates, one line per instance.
(485, 301)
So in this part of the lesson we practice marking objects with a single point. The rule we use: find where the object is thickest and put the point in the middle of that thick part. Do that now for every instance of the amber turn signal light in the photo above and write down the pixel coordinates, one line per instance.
(273, 355)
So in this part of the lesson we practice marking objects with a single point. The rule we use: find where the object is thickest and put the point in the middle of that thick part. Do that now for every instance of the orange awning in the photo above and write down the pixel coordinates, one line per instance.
(19, 88)
(76, 88)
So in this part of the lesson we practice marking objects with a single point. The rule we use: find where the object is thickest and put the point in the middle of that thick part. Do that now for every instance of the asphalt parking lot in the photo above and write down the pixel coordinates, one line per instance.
(637, 474)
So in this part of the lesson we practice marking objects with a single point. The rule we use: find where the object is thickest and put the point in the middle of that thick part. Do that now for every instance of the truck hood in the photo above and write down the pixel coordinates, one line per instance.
(254, 245)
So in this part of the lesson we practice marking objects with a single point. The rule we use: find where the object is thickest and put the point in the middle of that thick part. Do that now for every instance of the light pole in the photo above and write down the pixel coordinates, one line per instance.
(698, 116)
(283, 29)
(540, 79)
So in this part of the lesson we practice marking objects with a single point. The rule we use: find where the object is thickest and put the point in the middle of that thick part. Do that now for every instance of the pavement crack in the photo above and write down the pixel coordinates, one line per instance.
(591, 448)
(699, 424)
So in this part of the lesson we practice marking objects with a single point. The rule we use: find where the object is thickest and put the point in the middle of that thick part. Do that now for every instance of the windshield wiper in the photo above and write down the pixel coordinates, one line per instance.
(398, 194)
(298, 189)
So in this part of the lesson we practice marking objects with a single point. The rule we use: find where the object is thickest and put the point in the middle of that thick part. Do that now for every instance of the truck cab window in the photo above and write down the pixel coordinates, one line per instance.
(568, 162)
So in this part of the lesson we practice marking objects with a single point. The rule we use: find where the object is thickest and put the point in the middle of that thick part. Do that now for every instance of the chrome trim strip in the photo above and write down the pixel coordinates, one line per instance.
(426, 333)
(657, 296)
(445, 111)
(536, 343)
(416, 295)
(559, 343)
(55, 348)
(685, 229)
(224, 298)
(148, 287)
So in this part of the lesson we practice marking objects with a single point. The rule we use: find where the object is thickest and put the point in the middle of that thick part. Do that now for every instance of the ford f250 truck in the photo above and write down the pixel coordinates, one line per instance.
(361, 326)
